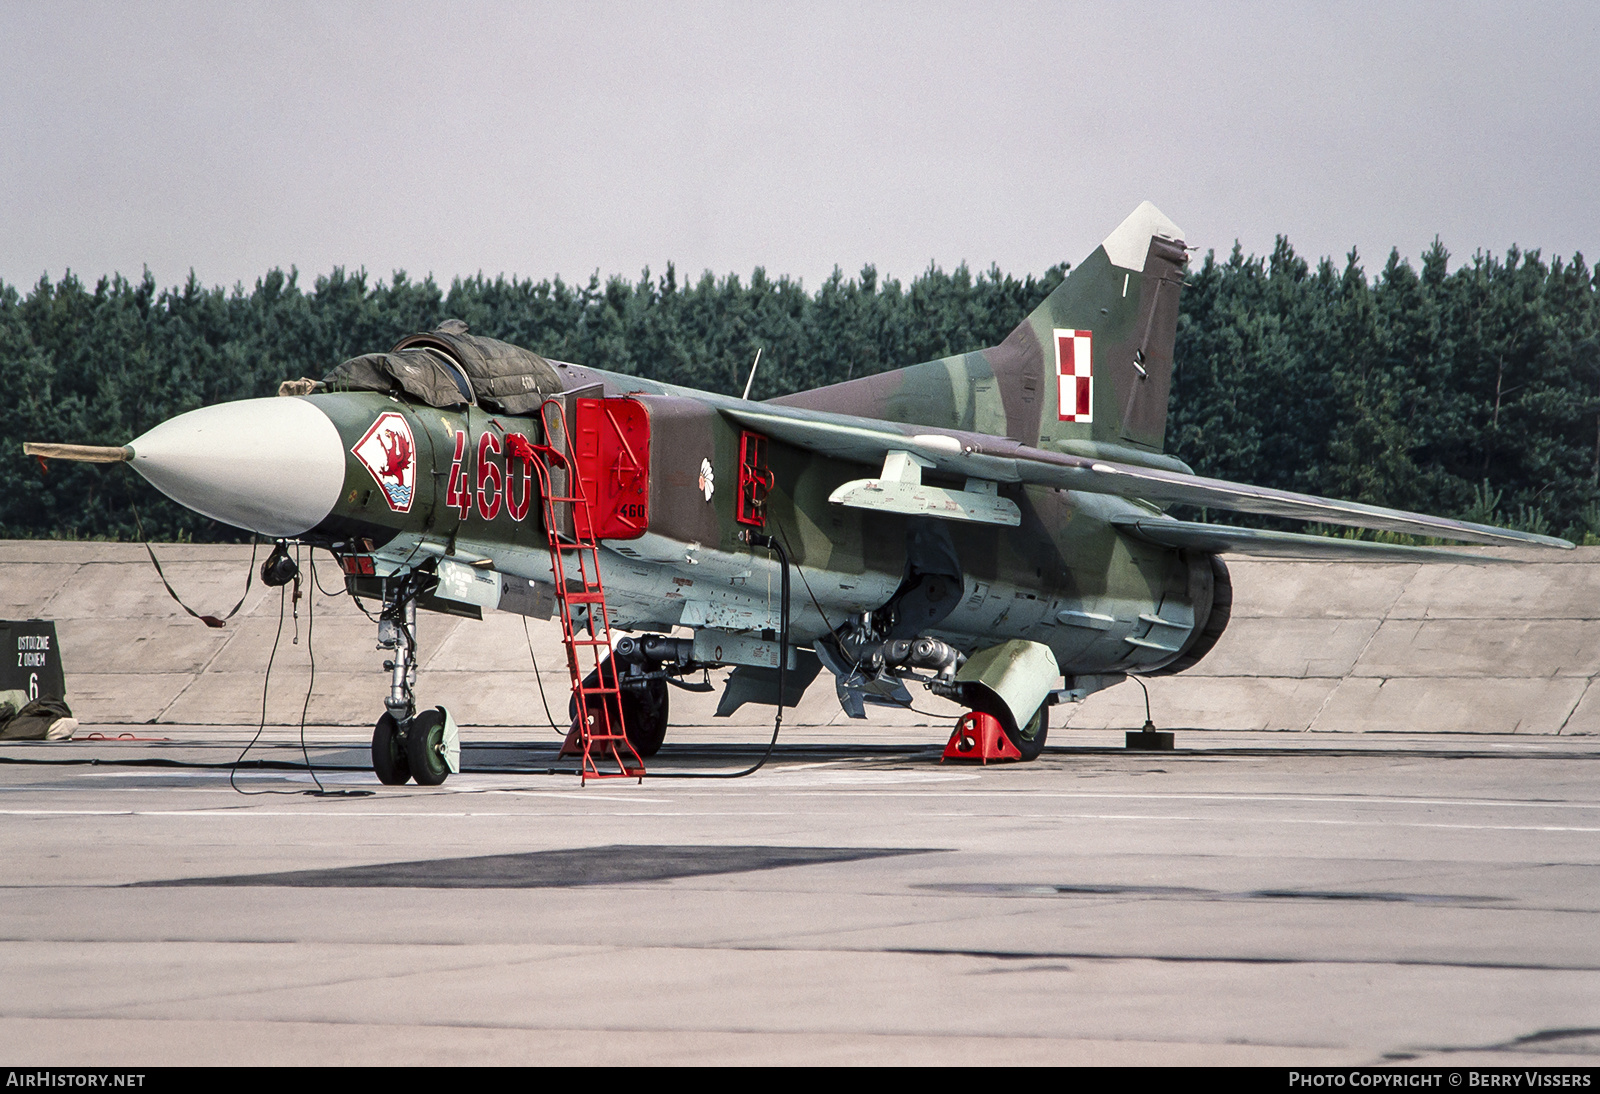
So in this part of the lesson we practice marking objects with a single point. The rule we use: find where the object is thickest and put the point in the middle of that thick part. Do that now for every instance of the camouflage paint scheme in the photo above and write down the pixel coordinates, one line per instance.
(1050, 443)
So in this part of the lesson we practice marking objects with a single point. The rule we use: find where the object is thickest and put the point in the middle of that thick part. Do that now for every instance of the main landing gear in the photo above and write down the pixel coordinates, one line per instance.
(645, 665)
(644, 713)
(1029, 740)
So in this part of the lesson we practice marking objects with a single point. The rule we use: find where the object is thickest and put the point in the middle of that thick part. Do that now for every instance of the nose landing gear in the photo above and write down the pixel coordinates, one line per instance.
(405, 744)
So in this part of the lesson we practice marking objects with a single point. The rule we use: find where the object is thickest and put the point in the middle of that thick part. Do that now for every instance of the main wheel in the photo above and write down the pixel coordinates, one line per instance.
(644, 717)
(389, 761)
(644, 714)
(1030, 741)
(425, 748)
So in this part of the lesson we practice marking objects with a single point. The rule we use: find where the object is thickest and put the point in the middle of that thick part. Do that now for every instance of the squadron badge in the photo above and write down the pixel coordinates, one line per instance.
(389, 453)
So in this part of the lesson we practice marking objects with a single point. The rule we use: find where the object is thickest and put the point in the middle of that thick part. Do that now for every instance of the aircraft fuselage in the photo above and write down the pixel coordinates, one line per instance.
(1064, 577)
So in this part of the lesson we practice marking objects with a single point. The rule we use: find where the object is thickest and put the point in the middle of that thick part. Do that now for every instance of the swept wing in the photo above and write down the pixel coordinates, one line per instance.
(1000, 459)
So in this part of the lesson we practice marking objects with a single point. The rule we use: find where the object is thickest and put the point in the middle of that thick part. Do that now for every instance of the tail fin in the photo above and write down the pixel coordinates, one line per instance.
(1101, 343)
(1091, 365)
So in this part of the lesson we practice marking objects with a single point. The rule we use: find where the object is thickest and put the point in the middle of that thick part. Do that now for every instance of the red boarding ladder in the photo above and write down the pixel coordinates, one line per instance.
(575, 568)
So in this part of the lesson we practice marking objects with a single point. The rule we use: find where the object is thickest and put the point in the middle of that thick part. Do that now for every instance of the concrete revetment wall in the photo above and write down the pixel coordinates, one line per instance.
(1327, 647)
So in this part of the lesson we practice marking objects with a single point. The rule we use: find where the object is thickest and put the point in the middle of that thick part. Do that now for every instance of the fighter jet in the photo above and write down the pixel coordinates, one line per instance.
(991, 526)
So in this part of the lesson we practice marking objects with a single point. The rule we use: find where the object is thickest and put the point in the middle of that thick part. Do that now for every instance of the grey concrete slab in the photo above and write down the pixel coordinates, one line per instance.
(500, 699)
(171, 644)
(121, 698)
(25, 587)
(1204, 702)
(498, 644)
(1283, 647)
(1328, 591)
(343, 640)
(1489, 705)
(1531, 590)
(235, 698)
(1585, 717)
(100, 590)
(92, 550)
(1471, 647)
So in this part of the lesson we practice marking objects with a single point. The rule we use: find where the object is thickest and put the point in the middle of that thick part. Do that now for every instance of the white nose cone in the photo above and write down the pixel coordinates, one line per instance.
(273, 466)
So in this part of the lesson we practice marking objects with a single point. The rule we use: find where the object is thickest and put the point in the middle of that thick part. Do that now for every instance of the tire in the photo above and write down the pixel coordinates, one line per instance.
(425, 748)
(644, 717)
(389, 760)
(644, 714)
(1030, 741)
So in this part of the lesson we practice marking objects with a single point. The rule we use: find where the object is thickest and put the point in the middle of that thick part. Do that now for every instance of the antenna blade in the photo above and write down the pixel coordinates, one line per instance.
(747, 383)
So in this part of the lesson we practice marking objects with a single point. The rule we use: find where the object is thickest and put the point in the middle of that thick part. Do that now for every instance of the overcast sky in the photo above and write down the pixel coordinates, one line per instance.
(541, 139)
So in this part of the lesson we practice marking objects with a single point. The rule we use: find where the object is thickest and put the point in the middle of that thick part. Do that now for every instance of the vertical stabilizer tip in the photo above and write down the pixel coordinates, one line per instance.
(1130, 243)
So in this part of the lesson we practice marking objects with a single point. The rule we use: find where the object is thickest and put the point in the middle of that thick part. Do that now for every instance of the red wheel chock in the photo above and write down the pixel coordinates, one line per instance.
(979, 737)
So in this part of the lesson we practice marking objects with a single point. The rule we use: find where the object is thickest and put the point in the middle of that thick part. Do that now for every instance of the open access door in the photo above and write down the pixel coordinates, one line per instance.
(611, 440)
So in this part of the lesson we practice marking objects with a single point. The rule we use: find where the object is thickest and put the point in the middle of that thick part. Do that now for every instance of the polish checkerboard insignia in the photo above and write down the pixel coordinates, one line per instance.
(1075, 374)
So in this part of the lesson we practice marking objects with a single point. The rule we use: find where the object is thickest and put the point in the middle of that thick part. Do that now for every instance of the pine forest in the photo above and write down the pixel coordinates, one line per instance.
(1470, 392)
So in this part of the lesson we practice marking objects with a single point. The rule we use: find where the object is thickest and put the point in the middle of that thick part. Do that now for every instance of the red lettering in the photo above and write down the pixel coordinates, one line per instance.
(458, 494)
(488, 498)
(519, 451)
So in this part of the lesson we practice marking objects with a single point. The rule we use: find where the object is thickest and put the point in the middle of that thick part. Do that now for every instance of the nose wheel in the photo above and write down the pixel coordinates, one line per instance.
(408, 745)
(389, 760)
(423, 748)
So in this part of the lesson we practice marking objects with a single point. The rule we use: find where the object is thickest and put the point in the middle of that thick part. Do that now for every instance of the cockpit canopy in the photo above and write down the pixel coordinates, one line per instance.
(448, 367)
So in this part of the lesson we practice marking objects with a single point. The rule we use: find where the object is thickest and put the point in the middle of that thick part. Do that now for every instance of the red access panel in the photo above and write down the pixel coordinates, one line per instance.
(613, 449)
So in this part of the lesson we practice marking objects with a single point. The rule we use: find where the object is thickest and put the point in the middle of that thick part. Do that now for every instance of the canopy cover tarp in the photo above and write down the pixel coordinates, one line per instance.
(442, 366)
